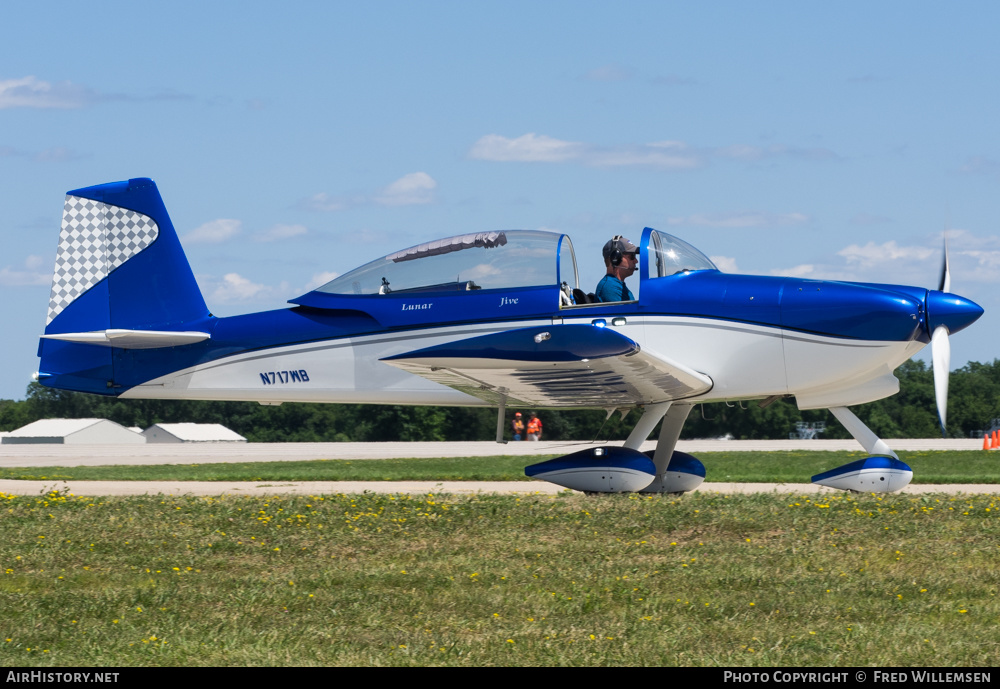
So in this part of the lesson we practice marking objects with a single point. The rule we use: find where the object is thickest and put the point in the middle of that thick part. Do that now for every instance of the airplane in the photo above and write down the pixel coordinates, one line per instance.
(491, 319)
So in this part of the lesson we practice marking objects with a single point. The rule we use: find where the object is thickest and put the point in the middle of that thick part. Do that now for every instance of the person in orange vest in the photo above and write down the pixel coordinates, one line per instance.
(534, 427)
(517, 426)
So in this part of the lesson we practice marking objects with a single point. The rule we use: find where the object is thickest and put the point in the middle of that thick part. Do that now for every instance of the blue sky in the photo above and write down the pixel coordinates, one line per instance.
(294, 142)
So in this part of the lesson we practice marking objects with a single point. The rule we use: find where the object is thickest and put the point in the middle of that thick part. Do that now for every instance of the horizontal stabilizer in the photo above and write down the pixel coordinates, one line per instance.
(555, 365)
(132, 339)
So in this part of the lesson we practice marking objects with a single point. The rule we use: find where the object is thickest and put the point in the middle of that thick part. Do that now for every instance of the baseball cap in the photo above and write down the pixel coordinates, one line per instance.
(517, 414)
(624, 245)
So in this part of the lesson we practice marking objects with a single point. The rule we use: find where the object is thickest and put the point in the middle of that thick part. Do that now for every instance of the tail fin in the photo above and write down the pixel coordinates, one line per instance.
(119, 267)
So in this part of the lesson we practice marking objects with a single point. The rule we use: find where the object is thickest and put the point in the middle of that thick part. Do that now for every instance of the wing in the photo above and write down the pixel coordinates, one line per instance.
(557, 365)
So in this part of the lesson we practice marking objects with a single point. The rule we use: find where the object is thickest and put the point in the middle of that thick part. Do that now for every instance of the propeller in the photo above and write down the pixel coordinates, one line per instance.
(941, 350)
(946, 314)
(944, 284)
(941, 361)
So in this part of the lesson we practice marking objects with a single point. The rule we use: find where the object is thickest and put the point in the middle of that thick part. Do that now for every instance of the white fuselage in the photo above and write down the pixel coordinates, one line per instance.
(744, 361)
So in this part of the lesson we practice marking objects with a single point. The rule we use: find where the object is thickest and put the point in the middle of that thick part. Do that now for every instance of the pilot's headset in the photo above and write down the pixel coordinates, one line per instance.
(616, 256)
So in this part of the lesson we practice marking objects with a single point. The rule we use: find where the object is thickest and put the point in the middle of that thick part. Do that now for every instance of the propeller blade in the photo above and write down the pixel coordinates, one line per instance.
(944, 284)
(941, 358)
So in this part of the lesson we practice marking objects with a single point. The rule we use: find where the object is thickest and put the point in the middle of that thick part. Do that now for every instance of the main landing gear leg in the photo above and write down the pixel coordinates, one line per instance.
(669, 433)
(676, 472)
(612, 469)
(651, 416)
(501, 413)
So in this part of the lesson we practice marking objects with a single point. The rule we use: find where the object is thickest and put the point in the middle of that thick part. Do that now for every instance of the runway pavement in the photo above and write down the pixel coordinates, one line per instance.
(38, 456)
(203, 488)
(206, 453)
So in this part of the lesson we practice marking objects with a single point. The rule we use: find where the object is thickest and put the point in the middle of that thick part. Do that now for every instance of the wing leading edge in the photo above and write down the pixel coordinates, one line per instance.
(557, 365)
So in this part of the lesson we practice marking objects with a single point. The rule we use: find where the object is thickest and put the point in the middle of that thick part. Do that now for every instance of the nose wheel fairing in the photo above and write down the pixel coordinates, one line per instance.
(869, 475)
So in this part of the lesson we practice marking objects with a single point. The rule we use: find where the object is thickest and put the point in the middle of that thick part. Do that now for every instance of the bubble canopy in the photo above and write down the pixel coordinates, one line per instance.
(667, 255)
(484, 260)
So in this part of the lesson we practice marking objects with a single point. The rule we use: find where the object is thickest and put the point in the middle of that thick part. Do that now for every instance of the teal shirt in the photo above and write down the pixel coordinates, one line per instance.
(611, 288)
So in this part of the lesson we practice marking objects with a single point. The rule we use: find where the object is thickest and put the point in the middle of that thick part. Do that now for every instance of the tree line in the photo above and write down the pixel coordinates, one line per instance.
(973, 402)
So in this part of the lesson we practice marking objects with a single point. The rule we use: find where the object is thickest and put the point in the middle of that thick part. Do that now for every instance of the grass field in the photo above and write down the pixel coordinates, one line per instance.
(744, 467)
(707, 579)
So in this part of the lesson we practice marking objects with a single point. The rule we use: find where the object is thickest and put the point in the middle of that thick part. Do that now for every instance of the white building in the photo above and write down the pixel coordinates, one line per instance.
(73, 432)
(191, 433)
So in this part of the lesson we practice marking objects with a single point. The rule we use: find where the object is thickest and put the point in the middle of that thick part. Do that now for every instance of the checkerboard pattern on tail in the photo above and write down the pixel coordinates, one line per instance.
(96, 238)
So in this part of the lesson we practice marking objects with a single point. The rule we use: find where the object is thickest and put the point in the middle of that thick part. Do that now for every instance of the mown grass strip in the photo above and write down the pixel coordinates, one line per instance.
(707, 579)
(744, 467)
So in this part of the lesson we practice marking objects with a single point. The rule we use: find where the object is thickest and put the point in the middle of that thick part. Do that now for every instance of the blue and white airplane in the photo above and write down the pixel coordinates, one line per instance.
(492, 319)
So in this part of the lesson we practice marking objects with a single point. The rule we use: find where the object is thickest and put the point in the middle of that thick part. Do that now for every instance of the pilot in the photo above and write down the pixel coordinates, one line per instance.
(621, 258)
